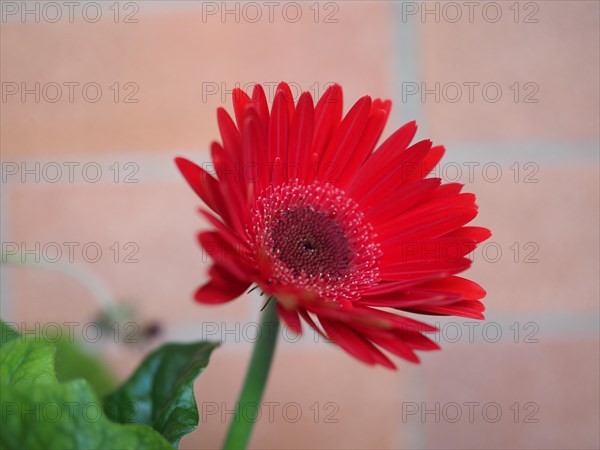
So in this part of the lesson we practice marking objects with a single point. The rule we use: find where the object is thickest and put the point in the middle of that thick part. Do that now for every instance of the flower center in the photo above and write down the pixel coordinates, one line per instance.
(315, 238)
(311, 242)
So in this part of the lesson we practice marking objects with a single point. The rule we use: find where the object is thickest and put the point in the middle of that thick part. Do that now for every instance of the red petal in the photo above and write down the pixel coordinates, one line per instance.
(203, 184)
(259, 100)
(477, 234)
(301, 138)
(254, 147)
(236, 207)
(365, 146)
(376, 188)
(283, 87)
(447, 190)
(397, 347)
(430, 220)
(328, 115)
(225, 231)
(408, 281)
(222, 288)
(223, 254)
(382, 158)
(344, 141)
(447, 249)
(359, 315)
(304, 314)
(466, 308)
(467, 289)
(355, 344)
(429, 162)
(400, 199)
(279, 131)
(290, 317)
(230, 135)
(240, 101)
(410, 299)
(398, 272)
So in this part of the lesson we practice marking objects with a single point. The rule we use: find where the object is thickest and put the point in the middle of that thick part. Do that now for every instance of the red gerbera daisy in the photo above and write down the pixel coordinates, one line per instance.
(333, 230)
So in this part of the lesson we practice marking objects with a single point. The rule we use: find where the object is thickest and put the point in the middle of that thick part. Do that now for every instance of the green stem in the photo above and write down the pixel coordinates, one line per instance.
(248, 404)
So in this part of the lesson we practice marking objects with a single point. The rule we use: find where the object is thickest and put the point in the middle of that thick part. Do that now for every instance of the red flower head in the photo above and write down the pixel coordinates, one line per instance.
(333, 230)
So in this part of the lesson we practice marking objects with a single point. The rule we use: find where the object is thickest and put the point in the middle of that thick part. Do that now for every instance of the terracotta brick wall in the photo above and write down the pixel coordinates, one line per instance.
(93, 110)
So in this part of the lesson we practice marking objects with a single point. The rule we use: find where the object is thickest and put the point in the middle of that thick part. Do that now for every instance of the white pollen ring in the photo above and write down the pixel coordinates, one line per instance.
(316, 238)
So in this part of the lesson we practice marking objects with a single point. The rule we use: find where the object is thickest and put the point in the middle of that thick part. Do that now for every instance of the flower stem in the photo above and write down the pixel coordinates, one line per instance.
(248, 404)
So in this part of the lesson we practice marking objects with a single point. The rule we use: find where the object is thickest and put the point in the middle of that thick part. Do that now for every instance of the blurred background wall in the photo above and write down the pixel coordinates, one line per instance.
(98, 97)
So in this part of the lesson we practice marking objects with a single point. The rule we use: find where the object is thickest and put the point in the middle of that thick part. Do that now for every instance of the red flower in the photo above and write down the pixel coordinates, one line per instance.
(307, 210)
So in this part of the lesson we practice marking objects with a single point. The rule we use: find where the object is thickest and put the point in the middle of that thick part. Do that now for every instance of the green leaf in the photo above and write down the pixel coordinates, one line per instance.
(66, 416)
(27, 361)
(38, 413)
(73, 361)
(160, 393)
(7, 334)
